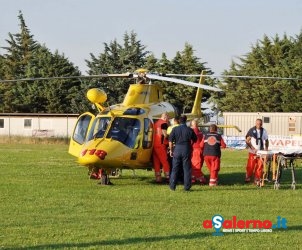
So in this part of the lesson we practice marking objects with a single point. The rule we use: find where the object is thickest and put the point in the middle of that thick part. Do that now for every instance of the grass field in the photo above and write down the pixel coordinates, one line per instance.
(48, 202)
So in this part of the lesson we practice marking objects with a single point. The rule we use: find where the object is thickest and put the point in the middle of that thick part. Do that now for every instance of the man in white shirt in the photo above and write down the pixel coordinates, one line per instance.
(256, 139)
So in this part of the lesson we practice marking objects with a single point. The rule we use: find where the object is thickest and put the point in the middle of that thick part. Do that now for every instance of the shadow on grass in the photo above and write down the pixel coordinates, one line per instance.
(292, 228)
(226, 180)
(132, 180)
(230, 179)
(233, 180)
(237, 178)
(119, 242)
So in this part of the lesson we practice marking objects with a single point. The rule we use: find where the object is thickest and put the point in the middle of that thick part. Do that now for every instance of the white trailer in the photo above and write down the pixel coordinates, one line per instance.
(282, 124)
(37, 124)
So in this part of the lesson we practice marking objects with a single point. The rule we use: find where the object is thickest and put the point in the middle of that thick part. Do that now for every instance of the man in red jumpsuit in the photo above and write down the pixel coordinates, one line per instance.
(211, 144)
(160, 146)
(197, 157)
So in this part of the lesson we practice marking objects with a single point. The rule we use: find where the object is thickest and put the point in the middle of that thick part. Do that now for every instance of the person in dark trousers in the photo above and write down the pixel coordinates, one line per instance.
(183, 137)
(174, 123)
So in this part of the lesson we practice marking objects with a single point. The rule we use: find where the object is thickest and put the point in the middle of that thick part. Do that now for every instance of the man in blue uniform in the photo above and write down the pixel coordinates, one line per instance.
(183, 137)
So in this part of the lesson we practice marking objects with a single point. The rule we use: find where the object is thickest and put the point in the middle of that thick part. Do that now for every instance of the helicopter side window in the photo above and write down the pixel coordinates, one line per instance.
(125, 130)
(148, 133)
(81, 129)
(98, 128)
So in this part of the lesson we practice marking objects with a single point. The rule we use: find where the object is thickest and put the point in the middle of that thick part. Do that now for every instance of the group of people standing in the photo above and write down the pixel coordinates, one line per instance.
(179, 148)
(188, 148)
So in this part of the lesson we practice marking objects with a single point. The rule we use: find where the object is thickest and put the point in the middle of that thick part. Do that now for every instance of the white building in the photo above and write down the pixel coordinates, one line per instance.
(283, 124)
(37, 125)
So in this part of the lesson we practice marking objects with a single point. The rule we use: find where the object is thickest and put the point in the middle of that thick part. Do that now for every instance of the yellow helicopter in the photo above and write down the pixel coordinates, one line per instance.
(121, 136)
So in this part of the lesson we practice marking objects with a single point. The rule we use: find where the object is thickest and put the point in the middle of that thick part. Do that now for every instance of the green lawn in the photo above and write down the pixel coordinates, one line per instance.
(48, 202)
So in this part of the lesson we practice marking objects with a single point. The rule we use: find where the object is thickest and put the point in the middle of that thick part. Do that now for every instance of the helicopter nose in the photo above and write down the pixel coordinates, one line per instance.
(92, 156)
(101, 154)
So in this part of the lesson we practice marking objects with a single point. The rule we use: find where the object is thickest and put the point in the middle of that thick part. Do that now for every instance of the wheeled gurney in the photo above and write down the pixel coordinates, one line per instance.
(275, 161)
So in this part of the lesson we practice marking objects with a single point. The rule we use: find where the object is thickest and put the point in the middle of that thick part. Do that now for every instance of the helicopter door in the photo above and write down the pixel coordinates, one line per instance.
(80, 133)
(146, 142)
(148, 134)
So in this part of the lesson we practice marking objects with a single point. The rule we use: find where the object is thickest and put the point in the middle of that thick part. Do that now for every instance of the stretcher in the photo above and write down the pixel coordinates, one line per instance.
(268, 160)
(274, 161)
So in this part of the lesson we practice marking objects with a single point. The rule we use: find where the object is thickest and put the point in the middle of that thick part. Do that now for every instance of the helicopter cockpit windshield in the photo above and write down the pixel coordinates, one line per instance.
(124, 130)
(98, 127)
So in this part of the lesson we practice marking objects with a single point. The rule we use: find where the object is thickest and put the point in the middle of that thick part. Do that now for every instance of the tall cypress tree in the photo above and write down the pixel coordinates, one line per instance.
(19, 51)
(26, 58)
(18, 54)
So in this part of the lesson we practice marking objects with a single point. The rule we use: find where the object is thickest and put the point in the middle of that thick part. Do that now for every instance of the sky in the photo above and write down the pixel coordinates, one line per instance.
(219, 30)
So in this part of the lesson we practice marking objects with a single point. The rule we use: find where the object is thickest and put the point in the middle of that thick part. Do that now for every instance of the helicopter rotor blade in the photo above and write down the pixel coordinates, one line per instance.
(243, 77)
(192, 84)
(166, 77)
(129, 75)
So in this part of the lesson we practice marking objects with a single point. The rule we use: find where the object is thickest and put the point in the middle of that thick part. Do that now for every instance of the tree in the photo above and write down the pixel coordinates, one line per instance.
(19, 52)
(184, 62)
(151, 63)
(118, 58)
(2, 63)
(268, 57)
(2, 88)
(26, 58)
(52, 96)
